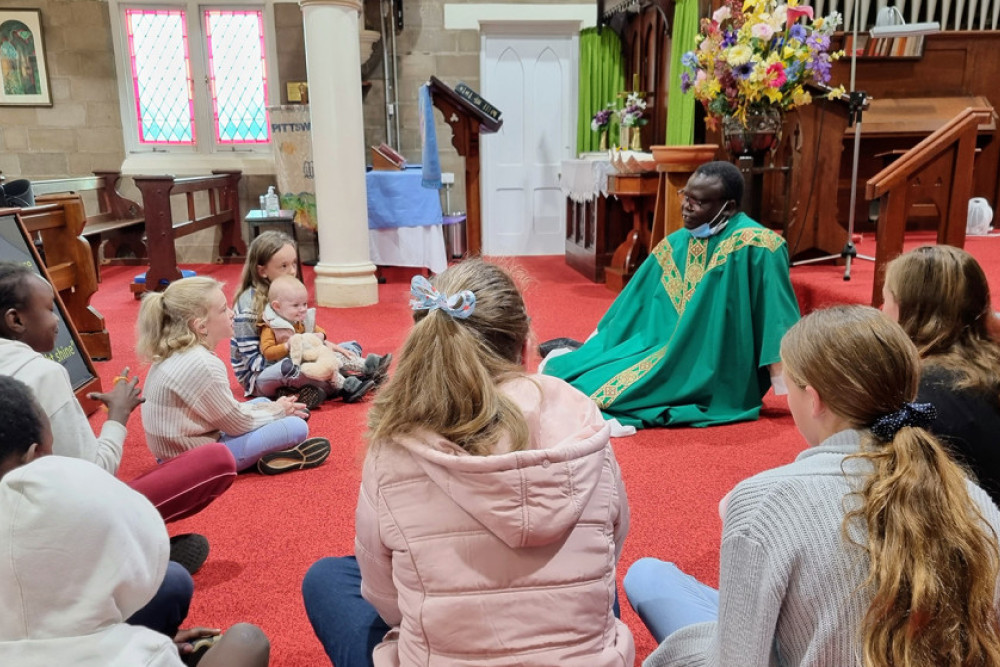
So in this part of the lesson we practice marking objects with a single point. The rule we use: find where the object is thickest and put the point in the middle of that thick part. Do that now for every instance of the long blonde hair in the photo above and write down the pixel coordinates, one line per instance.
(945, 308)
(449, 369)
(260, 252)
(933, 560)
(164, 325)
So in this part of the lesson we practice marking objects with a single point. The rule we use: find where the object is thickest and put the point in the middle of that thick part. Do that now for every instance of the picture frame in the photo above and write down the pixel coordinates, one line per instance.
(24, 74)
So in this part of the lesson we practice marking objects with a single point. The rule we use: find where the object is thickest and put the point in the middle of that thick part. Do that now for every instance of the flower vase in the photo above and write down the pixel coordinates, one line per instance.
(604, 140)
(755, 136)
(636, 144)
(624, 137)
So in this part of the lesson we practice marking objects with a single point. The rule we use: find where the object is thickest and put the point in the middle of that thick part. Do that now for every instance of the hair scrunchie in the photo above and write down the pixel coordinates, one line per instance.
(460, 306)
(911, 414)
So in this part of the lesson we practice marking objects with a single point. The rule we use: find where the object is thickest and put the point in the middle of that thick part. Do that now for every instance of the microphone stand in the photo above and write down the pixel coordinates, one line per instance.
(858, 98)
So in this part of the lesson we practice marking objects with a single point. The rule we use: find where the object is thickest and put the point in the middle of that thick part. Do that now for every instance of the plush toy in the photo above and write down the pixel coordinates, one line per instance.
(313, 357)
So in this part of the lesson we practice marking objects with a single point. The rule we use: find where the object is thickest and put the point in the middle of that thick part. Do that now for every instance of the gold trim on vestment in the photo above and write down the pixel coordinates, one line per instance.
(681, 288)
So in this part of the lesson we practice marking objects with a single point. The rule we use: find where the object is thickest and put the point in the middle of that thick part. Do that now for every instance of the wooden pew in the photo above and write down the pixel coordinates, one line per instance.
(118, 225)
(70, 264)
(222, 188)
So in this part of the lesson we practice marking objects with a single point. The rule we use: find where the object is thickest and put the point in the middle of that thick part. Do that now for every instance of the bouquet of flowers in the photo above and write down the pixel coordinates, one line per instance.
(602, 119)
(630, 114)
(753, 55)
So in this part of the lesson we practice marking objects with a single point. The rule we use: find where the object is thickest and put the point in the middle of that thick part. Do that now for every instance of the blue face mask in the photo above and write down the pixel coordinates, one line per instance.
(710, 228)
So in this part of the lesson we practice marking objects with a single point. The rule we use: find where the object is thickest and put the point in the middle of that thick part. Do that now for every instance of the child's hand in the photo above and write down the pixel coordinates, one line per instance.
(184, 638)
(336, 348)
(124, 397)
(291, 406)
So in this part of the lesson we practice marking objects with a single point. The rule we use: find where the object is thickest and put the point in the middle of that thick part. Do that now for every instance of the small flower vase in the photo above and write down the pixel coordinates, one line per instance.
(636, 144)
(756, 136)
(624, 137)
(604, 140)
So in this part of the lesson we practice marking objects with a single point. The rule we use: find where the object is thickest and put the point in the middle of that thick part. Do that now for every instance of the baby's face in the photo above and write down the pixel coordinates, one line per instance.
(292, 304)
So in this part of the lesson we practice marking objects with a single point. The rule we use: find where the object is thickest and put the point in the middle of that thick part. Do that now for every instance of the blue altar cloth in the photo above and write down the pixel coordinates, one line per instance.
(397, 199)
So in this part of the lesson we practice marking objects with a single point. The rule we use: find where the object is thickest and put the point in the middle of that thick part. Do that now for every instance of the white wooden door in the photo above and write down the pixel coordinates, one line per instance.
(532, 79)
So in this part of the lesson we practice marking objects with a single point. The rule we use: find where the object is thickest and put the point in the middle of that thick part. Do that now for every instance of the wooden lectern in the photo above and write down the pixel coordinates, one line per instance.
(466, 121)
(815, 144)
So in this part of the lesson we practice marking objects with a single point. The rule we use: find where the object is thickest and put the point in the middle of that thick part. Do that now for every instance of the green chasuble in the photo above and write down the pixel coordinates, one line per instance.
(689, 339)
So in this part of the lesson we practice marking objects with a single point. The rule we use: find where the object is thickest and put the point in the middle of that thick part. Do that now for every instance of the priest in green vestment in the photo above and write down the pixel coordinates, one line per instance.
(690, 339)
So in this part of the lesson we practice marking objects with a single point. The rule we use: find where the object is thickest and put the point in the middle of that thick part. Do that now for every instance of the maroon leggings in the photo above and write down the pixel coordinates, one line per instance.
(189, 482)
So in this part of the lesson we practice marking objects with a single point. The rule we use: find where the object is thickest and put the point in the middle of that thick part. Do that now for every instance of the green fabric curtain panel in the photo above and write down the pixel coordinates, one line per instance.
(602, 77)
(681, 107)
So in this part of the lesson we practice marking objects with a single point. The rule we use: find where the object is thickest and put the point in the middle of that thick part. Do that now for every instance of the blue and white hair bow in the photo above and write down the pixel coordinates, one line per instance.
(460, 306)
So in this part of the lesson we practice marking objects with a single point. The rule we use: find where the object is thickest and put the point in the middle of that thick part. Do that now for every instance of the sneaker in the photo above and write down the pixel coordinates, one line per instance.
(354, 389)
(189, 550)
(382, 372)
(312, 396)
(307, 454)
(545, 348)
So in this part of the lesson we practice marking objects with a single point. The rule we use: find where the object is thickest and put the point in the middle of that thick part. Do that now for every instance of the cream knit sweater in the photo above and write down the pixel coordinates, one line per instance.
(189, 402)
(788, 582)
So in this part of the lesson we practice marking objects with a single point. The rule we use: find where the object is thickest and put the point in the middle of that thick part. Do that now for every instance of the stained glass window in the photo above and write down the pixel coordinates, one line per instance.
(161, 76)
(237, 75)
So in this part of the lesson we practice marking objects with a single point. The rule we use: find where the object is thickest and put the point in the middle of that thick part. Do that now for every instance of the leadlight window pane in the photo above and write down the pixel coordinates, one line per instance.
(161, 76)
(237, 75)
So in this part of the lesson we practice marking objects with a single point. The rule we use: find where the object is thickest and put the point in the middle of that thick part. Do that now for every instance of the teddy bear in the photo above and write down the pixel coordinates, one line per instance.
(314, 359)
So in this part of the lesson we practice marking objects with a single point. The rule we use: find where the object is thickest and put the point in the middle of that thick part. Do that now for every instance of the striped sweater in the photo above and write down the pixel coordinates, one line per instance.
(189, 402)
(789, 586)
(244, 347)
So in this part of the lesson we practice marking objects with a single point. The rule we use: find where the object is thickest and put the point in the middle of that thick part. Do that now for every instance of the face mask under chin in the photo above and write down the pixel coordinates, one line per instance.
(712, 227)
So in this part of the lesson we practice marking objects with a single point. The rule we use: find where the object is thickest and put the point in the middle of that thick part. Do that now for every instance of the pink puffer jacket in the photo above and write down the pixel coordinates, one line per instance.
(503, 559)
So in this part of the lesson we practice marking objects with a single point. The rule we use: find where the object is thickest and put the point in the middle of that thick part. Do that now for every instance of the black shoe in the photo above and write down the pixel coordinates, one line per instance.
(312, 396)
(545, 348)
(354, 389)
(377, 368)
(189, 550)
(307, 454)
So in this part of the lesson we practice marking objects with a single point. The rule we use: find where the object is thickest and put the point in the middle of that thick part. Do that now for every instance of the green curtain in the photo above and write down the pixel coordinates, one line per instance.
(602, 77)
(681, 107)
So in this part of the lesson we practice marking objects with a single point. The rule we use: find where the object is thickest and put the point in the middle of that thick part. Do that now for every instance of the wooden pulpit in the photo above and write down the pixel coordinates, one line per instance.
(466, 121)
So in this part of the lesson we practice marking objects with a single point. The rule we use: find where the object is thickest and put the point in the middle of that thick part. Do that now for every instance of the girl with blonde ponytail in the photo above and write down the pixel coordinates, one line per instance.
(492, 510)
(189, 402)
(871, 549)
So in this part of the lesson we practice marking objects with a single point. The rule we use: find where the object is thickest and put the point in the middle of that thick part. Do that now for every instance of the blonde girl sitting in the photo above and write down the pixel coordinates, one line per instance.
(272, 254)
(872, 548)
(940, 296)
(492, 510)
(189, 402)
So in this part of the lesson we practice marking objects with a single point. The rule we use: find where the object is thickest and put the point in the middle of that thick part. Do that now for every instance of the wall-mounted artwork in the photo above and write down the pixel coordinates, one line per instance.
(23, 74)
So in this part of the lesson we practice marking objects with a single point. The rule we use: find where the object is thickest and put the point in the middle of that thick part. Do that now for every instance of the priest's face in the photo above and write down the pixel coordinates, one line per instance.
(702, 201)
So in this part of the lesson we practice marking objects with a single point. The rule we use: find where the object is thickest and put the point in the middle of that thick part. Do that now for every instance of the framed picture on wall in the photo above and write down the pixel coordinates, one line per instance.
(24, 77)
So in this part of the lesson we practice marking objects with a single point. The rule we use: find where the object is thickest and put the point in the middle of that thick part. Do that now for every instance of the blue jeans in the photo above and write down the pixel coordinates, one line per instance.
(169, 607)
(272, 437)
(666, 599)
(345, 623)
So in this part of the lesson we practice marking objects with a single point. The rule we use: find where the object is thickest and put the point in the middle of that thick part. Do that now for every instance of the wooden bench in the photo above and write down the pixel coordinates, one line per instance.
(222, 189)
(116, 232)
(59, 223)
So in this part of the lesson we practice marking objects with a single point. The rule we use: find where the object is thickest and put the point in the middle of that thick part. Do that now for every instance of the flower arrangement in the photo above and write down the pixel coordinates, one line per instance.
(755, 55)
(630, 115)
(601, 119)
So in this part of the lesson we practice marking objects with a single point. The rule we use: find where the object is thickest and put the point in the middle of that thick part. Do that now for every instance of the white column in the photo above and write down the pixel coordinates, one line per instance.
(345, 275)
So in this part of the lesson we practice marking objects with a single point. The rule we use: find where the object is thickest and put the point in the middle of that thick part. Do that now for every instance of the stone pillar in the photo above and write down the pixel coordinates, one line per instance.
(345, 276)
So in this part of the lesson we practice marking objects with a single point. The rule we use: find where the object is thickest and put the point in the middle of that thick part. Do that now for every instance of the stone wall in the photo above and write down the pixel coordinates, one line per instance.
(82, 130)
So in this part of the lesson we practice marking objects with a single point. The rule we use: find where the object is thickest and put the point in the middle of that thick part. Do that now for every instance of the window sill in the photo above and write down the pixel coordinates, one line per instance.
(188, 164)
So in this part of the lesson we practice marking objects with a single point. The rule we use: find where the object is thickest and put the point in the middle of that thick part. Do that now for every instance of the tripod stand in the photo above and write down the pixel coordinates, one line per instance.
(850, 252)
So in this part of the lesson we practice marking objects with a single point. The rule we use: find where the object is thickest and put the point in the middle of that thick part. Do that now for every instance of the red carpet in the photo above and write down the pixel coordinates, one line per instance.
(265, 532)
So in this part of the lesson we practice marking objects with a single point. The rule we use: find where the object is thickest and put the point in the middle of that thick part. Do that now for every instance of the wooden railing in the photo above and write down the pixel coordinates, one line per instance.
(938, 170)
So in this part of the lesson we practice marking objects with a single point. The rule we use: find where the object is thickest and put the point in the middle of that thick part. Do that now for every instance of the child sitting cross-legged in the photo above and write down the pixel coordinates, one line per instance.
(299, 354)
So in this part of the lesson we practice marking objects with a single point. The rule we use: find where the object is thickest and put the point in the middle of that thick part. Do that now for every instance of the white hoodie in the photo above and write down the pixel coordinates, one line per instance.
(79, 553)
(71, 432)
